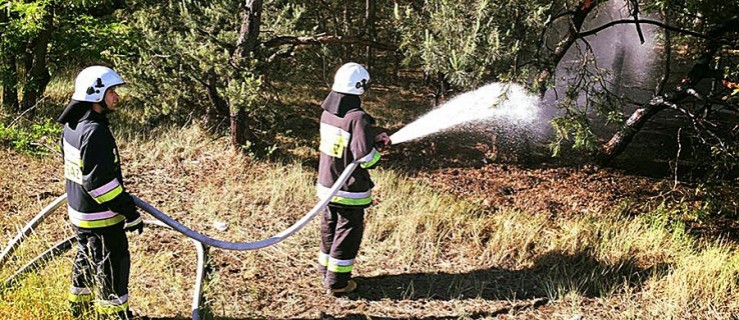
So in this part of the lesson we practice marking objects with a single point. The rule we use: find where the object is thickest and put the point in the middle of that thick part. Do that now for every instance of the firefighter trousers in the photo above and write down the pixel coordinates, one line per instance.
(341, 235)
(101, 270)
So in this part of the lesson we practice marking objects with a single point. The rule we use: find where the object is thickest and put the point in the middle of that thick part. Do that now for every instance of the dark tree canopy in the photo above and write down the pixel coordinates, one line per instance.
(219, 60)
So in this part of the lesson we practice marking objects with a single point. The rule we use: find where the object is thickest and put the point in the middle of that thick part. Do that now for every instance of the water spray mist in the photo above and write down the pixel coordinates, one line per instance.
(507, 102)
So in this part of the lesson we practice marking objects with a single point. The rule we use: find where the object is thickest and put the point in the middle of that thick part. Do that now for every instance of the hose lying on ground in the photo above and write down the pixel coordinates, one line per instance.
(243, 246)
(201, 241)
(174, 224)
(67, 244)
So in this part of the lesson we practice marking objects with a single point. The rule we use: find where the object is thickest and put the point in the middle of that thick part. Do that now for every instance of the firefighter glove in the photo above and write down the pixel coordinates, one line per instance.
(137, 224)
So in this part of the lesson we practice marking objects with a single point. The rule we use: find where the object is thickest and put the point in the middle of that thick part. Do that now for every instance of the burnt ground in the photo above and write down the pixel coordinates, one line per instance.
(523, 176)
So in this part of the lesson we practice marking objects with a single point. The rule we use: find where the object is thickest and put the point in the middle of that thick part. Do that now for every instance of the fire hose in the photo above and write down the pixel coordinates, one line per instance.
(202, 242)
(66, 245)
(244, 246)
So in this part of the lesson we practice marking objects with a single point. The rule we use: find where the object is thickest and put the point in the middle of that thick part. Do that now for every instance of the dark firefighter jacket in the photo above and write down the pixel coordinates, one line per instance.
(96, 196)
(346, 136)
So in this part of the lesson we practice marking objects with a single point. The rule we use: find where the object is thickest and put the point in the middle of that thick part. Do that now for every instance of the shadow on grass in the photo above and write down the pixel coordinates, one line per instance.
(552, 276)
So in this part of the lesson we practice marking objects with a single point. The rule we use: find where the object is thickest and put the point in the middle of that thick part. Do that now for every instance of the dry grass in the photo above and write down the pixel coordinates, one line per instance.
(425, 253)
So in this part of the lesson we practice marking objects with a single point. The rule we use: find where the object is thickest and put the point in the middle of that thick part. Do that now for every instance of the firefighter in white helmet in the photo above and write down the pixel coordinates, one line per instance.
(98, 205)
(347, 135)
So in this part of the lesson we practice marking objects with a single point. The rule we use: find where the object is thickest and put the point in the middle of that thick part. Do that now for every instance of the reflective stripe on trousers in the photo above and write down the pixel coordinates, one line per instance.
(103, 263)
(340, 266)
(335, 265)
(115, 305)
(79, 294)
(323, 259)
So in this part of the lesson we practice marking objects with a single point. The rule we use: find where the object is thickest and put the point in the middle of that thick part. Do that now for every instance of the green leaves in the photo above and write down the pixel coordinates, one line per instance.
(181, 64)
(576, 129)
(29, 15)
(243, 91)
(37, 140)
(471, 42)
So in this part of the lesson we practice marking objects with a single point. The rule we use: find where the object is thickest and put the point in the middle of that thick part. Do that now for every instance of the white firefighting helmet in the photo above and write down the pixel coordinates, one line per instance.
(92, 83)
(351, 78)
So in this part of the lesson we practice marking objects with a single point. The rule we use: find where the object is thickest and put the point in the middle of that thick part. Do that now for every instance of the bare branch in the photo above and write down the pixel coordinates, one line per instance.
(15, 121)
(279, 55)
(549, 64)
(636, 121)
(636, 20)
(652, 22)
(326, 39)
(677, 156)
(46, 146)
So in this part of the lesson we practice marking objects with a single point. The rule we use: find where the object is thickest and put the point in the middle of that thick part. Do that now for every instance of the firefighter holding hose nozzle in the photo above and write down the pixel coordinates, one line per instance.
(98, 205)
(347, 135)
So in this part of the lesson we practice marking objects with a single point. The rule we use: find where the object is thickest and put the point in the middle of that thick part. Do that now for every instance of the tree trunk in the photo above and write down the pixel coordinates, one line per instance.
(551, 61)
(370, 27)
(220, 106)
(246, 47)
(701, 70)
(623, 137)
(251, 20)
(347, 52)
(37, 71)
(240, 130)
(10, 80)
(444, 88)
(8, 72)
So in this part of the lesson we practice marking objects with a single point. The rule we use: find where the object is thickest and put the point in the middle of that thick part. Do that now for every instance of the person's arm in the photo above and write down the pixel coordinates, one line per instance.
(363, 143)
(100, 180)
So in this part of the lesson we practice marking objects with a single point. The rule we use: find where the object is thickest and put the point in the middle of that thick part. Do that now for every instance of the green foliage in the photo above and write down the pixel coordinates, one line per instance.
(29, 17)
(177, 56)
(574, 129)
(470, 42)
(712, 11)
(79, 30)
(286, 19)
(182, 49)
(243, 92)
(84, 39)
(35, 140)
(316, 63)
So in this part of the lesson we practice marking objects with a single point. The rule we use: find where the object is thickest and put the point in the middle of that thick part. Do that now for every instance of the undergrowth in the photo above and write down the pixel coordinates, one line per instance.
(430, 246)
